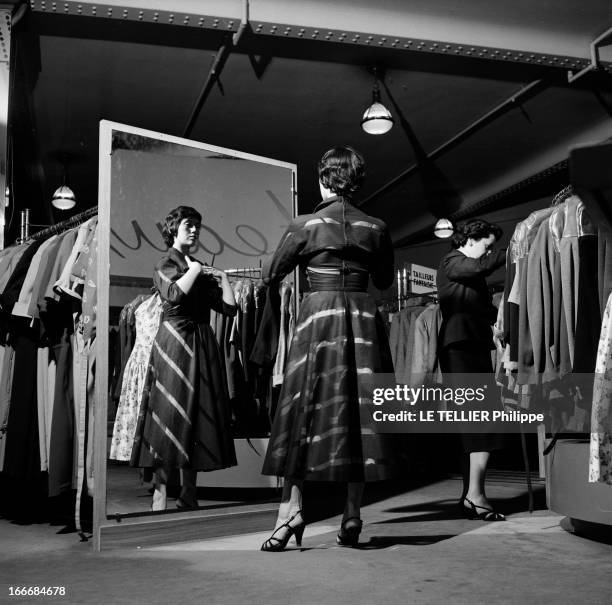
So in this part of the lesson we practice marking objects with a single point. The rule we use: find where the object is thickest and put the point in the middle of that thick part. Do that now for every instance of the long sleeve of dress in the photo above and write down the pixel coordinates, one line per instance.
(460, 267)
(286, 257)
(214, 294)
(165, 277)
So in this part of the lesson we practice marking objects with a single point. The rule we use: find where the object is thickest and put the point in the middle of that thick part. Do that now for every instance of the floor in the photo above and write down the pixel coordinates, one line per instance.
(414, 549)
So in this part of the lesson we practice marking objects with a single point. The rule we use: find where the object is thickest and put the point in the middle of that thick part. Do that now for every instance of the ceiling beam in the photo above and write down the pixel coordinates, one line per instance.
(331, 42)
(543, 174)
(219, 61)
(511, 103)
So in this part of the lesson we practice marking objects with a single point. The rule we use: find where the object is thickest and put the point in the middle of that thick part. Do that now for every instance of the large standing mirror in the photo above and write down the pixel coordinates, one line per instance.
(246, 203)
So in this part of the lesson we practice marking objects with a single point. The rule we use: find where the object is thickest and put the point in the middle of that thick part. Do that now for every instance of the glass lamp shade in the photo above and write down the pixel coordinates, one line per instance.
(63, 198)
(443, 228)
(377, 119)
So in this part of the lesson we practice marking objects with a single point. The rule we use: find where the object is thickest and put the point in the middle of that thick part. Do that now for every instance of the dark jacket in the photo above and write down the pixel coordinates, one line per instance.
(204, 295)
(336, 235)
(465, 300)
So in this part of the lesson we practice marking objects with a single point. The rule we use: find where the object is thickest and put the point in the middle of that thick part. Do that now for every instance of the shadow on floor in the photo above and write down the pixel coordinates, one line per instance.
(380, 542)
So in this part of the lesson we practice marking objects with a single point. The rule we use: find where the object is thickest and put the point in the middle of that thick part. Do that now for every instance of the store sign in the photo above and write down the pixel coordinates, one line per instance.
(421, 279)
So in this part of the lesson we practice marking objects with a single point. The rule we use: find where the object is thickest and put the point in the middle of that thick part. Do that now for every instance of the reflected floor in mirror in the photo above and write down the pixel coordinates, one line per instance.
(128, 494)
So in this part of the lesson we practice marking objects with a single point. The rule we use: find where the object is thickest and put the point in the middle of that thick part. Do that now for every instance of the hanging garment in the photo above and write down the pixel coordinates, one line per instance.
(42, 278)
(62, 443)
(6, 382)
(520, 245)
(266, 341)
(425, 368)
(62, 284)
(71, 281)
(339, 335)
(63, 254)
(184, 419)
(8, 262)
(44, 397)
(600, 459)
(127, 338)
(22, 456)
(604, 265)
(148, 315)
(86, 267)
(25, 296)
(581, 306)
(11, 292)
(403, 367)
(281, 353)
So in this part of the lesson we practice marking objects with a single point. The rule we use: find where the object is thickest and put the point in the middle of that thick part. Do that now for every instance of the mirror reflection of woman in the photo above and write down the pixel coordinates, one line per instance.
(184, 419)
(339, 336)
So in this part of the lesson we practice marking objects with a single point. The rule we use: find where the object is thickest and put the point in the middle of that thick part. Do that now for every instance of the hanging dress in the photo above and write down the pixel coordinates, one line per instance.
(147, 317)
(600, 459)
(184, 419)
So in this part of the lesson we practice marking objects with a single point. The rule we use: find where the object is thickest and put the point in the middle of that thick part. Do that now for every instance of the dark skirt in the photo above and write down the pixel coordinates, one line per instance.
(184, 418)
(317, 433)
(472, 358)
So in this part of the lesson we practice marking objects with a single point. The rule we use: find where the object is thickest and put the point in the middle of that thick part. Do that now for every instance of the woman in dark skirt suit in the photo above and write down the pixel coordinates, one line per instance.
(184, 417)
(317, 432)
(466, 341)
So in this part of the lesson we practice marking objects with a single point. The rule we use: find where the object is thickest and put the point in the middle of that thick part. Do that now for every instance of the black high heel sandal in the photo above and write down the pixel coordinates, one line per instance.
(349, 536)
(487, 514)
(273, 544)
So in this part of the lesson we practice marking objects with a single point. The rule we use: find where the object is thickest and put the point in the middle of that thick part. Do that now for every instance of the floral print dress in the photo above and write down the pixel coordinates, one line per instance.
(147, 317)
(600, 462)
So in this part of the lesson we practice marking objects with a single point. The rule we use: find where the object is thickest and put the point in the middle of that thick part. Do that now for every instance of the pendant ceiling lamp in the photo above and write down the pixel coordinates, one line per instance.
(377, 119)
(444, 228)
(64, 198)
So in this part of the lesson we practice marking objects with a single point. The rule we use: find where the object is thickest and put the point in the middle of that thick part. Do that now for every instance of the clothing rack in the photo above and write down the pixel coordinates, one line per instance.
(75, 220)
(253, 272)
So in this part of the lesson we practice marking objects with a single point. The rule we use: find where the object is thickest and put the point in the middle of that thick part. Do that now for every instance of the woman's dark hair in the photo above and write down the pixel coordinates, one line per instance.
(342, 170)
(173, 220)
(475, 229)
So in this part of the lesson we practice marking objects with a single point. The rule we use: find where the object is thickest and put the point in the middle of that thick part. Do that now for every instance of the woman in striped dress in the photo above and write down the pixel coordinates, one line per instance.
(184, 418)
(317, 432)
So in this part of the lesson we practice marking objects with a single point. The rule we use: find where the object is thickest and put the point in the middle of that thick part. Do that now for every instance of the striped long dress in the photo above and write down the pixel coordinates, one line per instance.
(318, 431)
(184, 418)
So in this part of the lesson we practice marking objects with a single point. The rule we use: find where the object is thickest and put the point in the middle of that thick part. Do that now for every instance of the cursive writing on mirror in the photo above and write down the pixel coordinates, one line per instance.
(250, 241)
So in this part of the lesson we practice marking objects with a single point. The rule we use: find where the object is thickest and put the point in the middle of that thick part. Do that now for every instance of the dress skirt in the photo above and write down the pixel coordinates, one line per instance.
(317, 432)
(184, 418)
(470, 358)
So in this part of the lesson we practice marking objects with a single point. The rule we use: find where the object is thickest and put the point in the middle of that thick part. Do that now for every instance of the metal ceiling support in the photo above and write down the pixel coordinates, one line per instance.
(512, 102)
(217, 67)
(346, 38)
(604, 40)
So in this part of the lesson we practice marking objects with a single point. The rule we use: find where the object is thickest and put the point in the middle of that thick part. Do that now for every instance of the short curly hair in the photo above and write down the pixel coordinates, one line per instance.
(173, 220)
(342, 170)
(475, 229)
